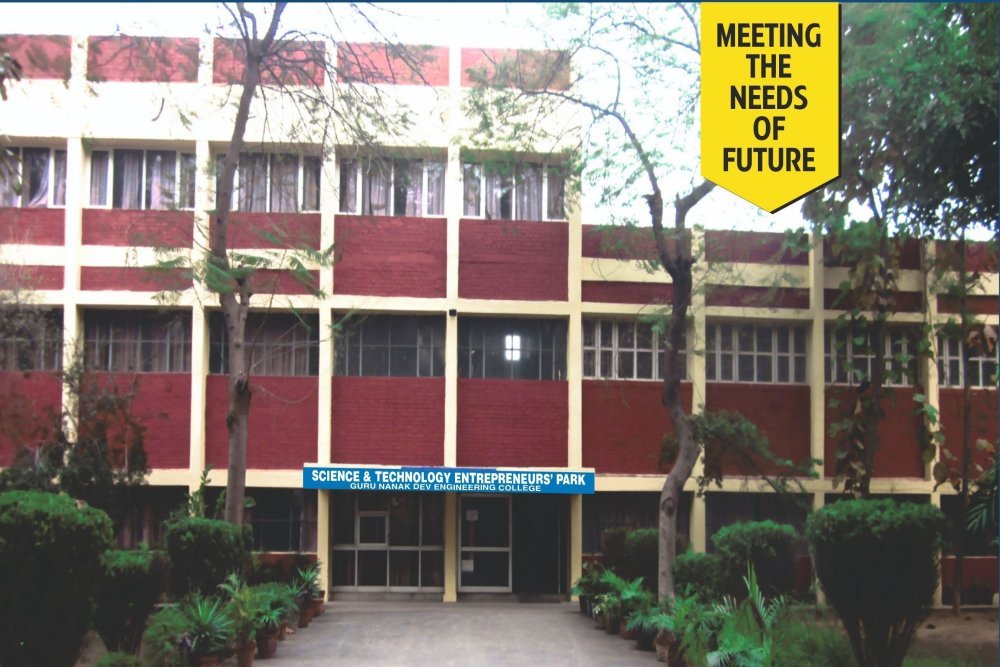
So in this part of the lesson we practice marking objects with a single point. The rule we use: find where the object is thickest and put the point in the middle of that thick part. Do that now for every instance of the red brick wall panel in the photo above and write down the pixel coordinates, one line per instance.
(905, 302)
(283, 421)
(899, 451)
(126, 58)
(982, 423)
(524, 68)
(980, 305)
(40, 56)
(980, 257)
(133, 279)
(30, 404)
(977, 569)
(278, 281)
(296, 63)
(386, 63)
(389, 256)
(274, 230)
(512, 423)
(780, 412)
(388, 420)
(31, 277)
(756, 297)
(752, 247)
(120, 227)
(611, 291)
(610, 242)
(909, 253)
(502, 259)
(624, 423)
(35, 226)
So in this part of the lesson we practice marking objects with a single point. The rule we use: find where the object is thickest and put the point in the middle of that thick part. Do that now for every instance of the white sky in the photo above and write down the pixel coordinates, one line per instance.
(448, 24)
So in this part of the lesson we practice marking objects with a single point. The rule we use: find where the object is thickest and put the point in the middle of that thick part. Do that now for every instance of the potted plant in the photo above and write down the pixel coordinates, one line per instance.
(269, 627)
(277, 605)
(586, 586)
(208, 630)
(310, 593)
(245, 609)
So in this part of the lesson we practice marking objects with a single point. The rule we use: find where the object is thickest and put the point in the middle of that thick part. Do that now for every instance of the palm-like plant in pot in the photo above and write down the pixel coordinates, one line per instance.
(277, 604)
(245, 608)
(311, 591)
(208, 630)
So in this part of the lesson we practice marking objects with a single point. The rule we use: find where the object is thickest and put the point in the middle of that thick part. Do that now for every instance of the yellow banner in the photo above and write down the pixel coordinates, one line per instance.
(770, 99)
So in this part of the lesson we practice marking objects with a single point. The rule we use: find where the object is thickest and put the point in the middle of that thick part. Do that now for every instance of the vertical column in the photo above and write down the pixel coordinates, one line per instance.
(453, 212)
(814, 370)
(324, 444)
(575, 538)
(818, 501)
(204, 201)
(450, 547)
(696, 371)
(73, 235)
(932, 387)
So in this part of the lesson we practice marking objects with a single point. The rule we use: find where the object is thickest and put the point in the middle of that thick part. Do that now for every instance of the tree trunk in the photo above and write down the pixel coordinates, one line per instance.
(958, 581)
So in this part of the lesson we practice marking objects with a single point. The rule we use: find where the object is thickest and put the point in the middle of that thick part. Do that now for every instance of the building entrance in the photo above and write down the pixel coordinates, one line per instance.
(485, 557)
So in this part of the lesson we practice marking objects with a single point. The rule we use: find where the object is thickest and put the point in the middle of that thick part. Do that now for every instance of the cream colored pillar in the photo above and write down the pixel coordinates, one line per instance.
(696, 372)
(814, 372)
(199, 378)
(450, 547)
(818, 502)
(575, 539)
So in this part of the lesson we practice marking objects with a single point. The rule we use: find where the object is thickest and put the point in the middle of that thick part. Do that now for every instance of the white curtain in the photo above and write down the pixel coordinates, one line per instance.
(253, 182)
(284, 183)
(556, 194)
(498, 196)
(409, 188)
(375, 189)
(35, 175)
(348, 186)
(311, 168)
(435, 188)
(99, 178)
(59, 187)
(8, 178)
(127, 179)
(471, 177)
(185, 189)
(529, 192)
(161, 181)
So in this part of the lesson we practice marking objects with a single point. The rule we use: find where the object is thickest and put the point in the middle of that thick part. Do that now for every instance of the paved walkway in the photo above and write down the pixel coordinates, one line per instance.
(464, 633)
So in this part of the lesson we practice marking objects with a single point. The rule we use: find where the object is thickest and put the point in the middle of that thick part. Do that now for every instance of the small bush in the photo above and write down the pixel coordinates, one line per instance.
(613, 549)
(50, 567)
(700, 575)
(767, 546)
(799, 643)
(641, 555)
(133, 582)
(203, 552)
(115, 659)
(878, 563)
(161, 646)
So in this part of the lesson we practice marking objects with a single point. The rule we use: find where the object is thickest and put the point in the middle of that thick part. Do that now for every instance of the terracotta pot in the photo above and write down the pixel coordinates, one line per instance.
(207, 661)
(267, 643)
(316, 607)
(305, 615)
(645, 640)
(612, 625)
(625, 633)
(244, 654)
(322, 600)
(281, 632)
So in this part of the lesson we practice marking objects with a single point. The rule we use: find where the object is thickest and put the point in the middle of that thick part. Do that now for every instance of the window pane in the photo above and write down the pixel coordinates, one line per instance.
(253, 182)
(284, 183)
(9, 177)
(435, 188)
(127, 181)
(375, 184)
(644, 365)
(499, 195)
(433, 522)
(470, 178)
(343, 518)
(625, 365)
(404, 568)
(371, 529)
(348, 186)
(726, 361)
(372, 568)
(187, 181)
(529, 192)
(800, 369)
(556, 194)
(161, 172)
(408, 187)
(763, 368)
(342, 568)
(782, 369)
(35, 177)
(404, 520)
(432, 568)
(311, 170)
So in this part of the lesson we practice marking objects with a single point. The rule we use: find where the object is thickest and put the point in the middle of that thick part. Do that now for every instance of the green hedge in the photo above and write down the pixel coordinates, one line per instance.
(133, 582)
(699, 574)
(50, 568)
(878, 563)
(769, 546)
(203, 552)
(642, 556)
(613, 549)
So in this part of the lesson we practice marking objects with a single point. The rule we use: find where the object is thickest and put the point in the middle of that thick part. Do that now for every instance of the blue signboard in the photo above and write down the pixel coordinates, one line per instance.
(461, 480)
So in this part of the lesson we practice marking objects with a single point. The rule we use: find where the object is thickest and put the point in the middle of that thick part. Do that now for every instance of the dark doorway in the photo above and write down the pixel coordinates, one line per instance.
(539, 544)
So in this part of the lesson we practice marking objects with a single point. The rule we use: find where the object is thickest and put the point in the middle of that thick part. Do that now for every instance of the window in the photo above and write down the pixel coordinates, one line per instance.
(138, 179)
(33, 178)
(507, 348)
(849, 358)
(380, 345)
(275, 182)
(387, 540)
(31, 340)
(137, 342)
(284, 344)
(625, 350)
(527, 191)
(392, 187)
(748, 353)
(283, 519)
(982, 366)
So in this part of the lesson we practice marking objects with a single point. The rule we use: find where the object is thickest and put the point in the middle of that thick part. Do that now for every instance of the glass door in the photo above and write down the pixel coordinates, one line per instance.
(484, 561)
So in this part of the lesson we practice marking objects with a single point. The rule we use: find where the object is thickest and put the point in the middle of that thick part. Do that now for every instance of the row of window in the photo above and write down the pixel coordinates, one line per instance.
(286, 183)
(413, 346)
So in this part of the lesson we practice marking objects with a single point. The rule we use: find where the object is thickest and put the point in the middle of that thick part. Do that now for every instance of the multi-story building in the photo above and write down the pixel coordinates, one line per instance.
(471, 319)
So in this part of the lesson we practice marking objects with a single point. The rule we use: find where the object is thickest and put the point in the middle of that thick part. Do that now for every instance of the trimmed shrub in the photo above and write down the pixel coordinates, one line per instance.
(203, 552)
(700, 575)
(796, 642)
(161, 645)
(878, 563)
(641, 556)
(134, 580)
(766, 545)
(115, 659)
(613, 549)
(50, 567)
